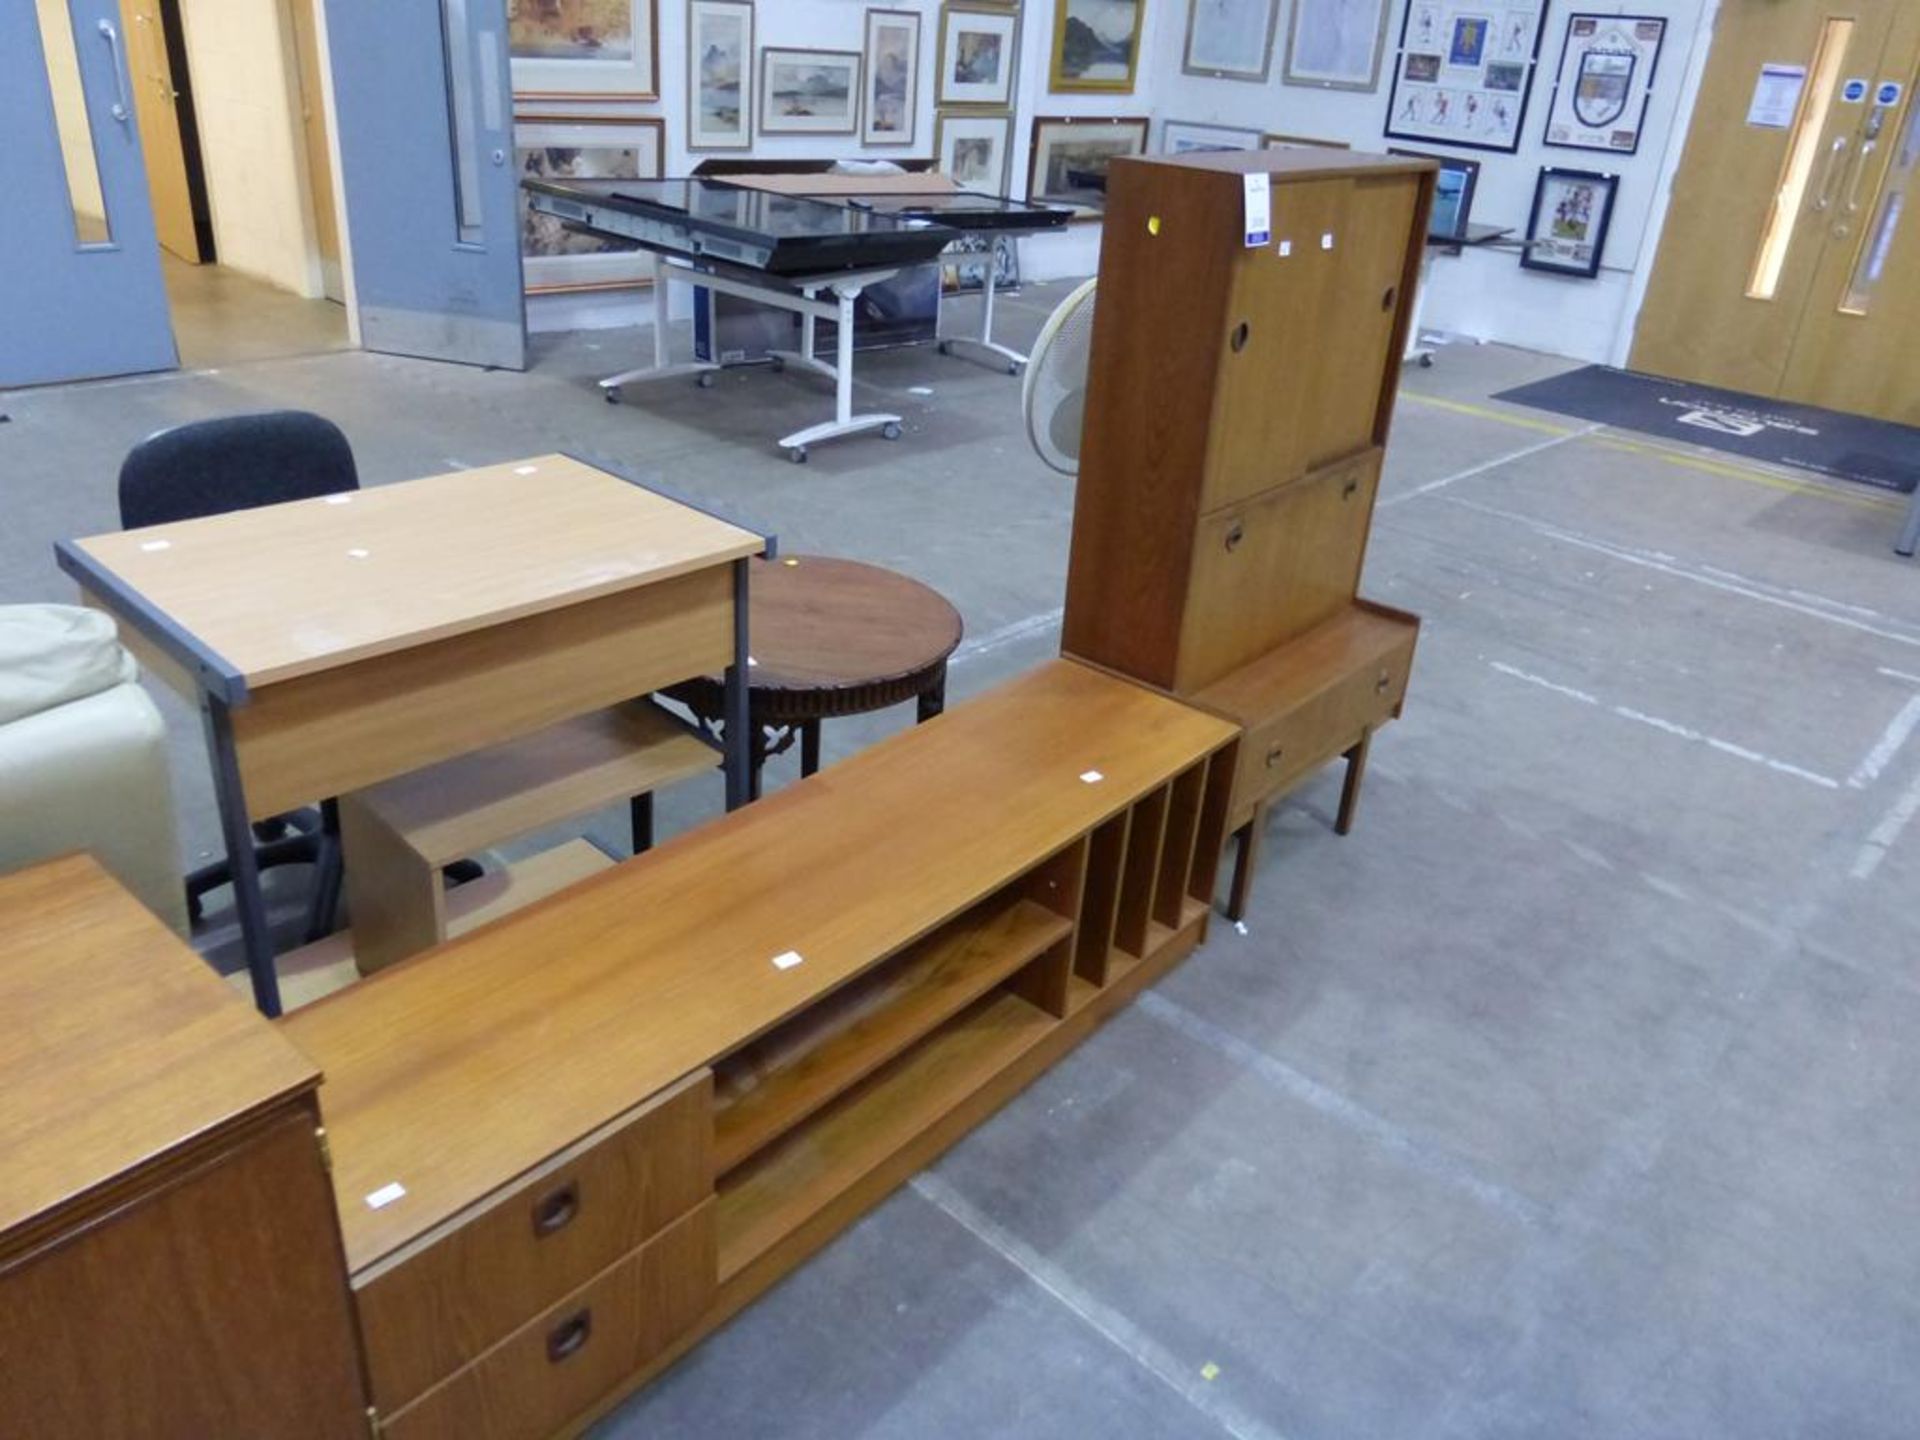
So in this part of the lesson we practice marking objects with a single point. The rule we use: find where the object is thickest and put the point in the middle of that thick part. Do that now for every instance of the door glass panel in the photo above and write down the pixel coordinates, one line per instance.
(1877, 244)
(458, 34)
(88, 204)
(1803, 149)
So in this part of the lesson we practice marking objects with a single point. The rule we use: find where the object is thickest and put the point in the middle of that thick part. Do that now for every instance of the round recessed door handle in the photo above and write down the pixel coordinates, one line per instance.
(1383, 684)
(555, 1210)
(1386, 300)
(570, 1336)
(1236, 532)
(1274, 755)
(1350, 489)
(1242, 333)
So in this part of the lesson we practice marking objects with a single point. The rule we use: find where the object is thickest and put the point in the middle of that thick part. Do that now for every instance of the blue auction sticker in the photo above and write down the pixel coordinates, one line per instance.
(1854, 91)
(1888, 93)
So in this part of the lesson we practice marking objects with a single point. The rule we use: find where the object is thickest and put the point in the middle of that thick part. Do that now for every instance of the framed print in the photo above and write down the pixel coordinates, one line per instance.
(979, 47)
(809, 92)
(1453, 191)
(584, 49)
(1605, 80)
(1183, 137)
(1335, 44)
(1096, 45)
(1230, 39)
(719, 70)
(583, 147)
(892, 101)
(963, 264)
(1068, 165)
(1567, 231)
(972, 150)
(1464, 72)
(1271, 141)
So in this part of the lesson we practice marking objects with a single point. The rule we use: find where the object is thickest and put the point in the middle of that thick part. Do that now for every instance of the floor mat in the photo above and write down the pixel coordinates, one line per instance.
(1848, 447)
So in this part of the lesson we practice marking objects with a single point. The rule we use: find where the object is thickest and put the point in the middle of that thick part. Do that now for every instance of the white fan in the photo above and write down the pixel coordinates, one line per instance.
(1054, 394)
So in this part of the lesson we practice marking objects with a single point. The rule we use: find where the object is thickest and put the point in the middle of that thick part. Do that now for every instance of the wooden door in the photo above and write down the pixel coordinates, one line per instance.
(319, 153)
(154, 99)
(1748, 217)
(1855, 349)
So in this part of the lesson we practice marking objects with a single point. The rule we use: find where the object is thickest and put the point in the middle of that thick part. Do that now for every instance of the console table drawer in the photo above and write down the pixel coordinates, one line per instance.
(579, 1351)
(1282, 748)
(461, 1288)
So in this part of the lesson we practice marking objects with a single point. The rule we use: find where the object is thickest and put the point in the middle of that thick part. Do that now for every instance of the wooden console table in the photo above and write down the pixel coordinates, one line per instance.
(569, 1145)
(338, 642)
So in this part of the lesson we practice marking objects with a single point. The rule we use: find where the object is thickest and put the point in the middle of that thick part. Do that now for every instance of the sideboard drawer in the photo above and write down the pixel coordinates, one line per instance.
(1284, 747)
(579, 1351)
(430, 1311)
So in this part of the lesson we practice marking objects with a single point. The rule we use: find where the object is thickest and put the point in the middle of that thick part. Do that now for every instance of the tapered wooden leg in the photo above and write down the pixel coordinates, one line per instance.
(1350, 792)
(1245, 858)
(809, 748)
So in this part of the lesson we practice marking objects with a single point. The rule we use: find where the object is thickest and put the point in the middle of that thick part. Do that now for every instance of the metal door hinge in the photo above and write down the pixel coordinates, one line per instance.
(326, 1148)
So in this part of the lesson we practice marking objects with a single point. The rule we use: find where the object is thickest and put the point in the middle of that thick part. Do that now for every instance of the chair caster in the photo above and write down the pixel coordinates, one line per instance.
(889, 432)
(944, 347)
(1426, 362)
(1013, 367)
(798, 454)
(610, 395)
(705, 380)
(776, 364)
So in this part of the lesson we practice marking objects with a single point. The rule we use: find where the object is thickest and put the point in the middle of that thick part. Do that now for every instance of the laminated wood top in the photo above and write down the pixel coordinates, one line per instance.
(462, 1068)
(1301, 162)
(287, 590)
(120, 1044)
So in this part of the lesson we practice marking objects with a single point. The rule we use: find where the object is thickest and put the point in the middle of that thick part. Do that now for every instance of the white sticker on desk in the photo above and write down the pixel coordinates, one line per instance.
(526, 469)
(151, 546)
(1091, 777)
(1259, 193)
(786, 959)
(385, 1196)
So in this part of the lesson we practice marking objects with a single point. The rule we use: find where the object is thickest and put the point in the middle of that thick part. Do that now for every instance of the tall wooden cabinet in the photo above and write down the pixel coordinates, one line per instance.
(1237, 412)
(170, 1261)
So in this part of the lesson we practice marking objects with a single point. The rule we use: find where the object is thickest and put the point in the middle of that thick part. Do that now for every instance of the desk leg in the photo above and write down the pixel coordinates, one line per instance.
(844, 421)
(1350, 792)
(991, 351)
(809, 748)
(1245, 858)
(251, 906)
(640, 822)
(933, 700)
(738, 732)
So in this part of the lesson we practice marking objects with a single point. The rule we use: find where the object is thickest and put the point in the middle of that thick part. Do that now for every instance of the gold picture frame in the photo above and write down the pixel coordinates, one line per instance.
(583, 77)
(582, 263)
(1086, 29)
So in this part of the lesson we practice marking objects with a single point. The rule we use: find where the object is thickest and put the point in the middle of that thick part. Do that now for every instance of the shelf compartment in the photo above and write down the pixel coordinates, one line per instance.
(1214, 810)
(1141, 872)
(781, 1079)
(795, 1179)
(1100, 899)
(1185, 799)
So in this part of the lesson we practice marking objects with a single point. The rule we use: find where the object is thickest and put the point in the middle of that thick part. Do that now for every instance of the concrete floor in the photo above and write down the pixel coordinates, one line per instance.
(222, 317)
(1571, 1095)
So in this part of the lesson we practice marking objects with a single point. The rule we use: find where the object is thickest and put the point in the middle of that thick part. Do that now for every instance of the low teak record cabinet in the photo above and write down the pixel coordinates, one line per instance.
(1238, 404)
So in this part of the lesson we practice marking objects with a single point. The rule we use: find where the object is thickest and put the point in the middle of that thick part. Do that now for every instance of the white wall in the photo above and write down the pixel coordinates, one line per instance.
(245, 95)
(841, 25)
(1486, 294)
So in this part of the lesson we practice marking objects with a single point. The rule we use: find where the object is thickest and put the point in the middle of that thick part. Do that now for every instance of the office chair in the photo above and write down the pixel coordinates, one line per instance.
(209, 467)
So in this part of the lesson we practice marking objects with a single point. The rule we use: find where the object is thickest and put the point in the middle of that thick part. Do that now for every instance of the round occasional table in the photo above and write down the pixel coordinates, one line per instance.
(831, 638)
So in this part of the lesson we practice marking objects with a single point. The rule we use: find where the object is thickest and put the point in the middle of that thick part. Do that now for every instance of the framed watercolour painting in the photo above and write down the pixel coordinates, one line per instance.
(584, 49)
(1070, 156)
(972, 150)
(1567, 231)
(1606, 78)
(719, 73)
(978, 52)
(1335, 44)
(574, 147)
(1183, 137)
(1230, 39)
(1096, 45)
(1464, 72)
(892, 102)
(809, 92)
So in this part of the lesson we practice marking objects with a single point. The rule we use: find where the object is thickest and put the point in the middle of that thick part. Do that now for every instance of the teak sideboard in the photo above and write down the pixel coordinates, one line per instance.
(1238, 402)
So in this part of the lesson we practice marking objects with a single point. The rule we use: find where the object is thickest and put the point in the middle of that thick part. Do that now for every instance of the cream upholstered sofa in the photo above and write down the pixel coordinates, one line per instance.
(83, 754)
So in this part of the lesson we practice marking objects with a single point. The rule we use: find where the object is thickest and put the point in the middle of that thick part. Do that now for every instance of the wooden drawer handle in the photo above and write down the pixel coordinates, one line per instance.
(1383, 684)
(1273, 755)
(567, 1338)
(1236, 532)
(555, 1211)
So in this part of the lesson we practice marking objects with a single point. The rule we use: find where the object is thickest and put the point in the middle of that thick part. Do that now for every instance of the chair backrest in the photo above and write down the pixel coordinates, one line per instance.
(237, 463)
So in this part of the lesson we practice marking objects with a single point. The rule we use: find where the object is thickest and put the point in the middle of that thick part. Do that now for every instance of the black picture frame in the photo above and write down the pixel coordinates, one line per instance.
(1470, 169)
(1424, 137)
(1560, 254)
(1647, 82)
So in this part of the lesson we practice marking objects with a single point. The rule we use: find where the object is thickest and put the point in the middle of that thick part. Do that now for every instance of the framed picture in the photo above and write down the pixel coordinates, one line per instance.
(583, 147)
(719, 70)
(1230, 39)
(1465, 71)
(584, 49)
(1567, 231)
(1605, 80)
(1068, 165)
(973, 149)
(963, 264)
(1336, 44)
(1453, 191)
(1096, 45)
(892, 102)
(1183, 137)
(1271, 141)
(809, 92)
(979, 47)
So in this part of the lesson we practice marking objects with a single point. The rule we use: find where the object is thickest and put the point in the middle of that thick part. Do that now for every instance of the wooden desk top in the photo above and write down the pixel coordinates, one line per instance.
(287, 590)
(119, 1044)
(462, 1068)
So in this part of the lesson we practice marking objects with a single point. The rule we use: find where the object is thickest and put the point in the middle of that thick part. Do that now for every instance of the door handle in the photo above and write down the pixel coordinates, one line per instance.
(122, 108)
(1859, 174)
(1823, 198)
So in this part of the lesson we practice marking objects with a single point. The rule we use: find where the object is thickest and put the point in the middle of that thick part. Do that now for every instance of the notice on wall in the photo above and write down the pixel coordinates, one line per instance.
(1776, 95)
